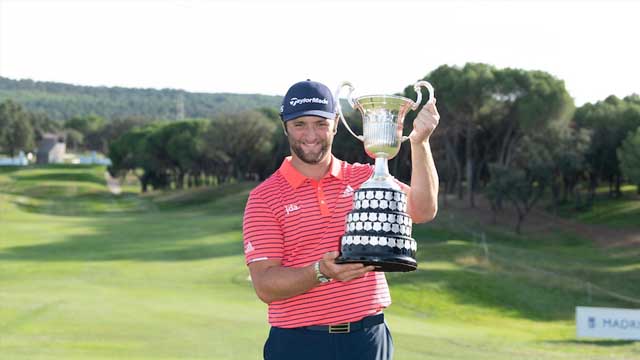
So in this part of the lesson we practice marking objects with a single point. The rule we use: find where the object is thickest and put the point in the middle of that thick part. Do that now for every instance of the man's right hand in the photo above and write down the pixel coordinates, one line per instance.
(341, 272)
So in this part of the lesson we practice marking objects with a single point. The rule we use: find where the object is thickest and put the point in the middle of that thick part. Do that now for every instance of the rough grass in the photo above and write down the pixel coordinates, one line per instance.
(623, 212)
(88, 275)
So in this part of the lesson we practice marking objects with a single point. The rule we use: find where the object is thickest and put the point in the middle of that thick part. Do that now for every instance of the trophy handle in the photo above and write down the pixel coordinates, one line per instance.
(353, 106)
(416, 87)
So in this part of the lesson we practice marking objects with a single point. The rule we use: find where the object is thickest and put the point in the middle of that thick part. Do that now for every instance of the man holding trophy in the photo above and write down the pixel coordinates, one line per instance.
(320, 233)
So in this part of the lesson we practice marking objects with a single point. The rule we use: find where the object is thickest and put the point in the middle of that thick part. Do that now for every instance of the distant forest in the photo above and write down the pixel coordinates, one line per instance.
(61, 101)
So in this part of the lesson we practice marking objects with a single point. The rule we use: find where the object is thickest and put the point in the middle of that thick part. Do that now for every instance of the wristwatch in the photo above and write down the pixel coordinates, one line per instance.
(319, 275)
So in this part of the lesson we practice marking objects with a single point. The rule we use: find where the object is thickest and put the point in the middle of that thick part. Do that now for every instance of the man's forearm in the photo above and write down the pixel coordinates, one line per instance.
(278, 282)
(423, 197)
(273, 281)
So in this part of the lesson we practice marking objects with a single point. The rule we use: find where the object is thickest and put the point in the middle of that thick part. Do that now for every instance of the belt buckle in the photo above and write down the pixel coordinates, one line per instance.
(340, 328)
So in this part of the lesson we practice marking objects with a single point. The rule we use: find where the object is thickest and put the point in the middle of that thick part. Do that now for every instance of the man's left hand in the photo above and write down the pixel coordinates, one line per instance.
(426, 122)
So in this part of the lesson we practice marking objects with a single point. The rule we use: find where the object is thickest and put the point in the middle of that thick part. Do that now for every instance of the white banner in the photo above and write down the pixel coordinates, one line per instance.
(607, 323)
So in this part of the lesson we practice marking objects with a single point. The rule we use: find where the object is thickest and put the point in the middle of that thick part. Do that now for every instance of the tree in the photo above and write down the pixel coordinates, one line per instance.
(610, 121)
(16, 132)
(131, 153)
(20, 136)
(467, 91)
(91, 128)
(568, 148)
(527, 102)
(632, 99)
(629, 157)
(487, 112)
(42, 125)
(523, 182)
(74, 139)
(241, 145)
(185, 148)
(118, 126)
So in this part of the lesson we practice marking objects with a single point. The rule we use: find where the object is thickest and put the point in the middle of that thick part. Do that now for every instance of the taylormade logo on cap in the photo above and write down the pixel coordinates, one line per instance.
(296, 101)
(308, 98)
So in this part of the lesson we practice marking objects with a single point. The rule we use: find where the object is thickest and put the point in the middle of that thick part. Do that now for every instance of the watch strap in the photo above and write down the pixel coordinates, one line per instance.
(319, 275)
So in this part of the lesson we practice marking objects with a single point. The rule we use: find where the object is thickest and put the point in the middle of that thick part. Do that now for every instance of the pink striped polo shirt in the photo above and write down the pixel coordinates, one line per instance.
(297, 220)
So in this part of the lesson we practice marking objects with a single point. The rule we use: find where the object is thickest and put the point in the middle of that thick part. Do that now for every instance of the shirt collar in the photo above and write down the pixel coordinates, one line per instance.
(295, 178)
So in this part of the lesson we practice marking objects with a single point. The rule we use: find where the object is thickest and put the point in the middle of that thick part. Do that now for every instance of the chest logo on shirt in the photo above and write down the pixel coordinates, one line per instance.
(291, 208)
(348, 191)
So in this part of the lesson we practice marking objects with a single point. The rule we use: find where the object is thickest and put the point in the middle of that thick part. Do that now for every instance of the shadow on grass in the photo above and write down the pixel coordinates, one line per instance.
(83, 204)
(10, 169)
(69, 200)
(224, 198)
(179, 236)
(63, 176)
(133, 228)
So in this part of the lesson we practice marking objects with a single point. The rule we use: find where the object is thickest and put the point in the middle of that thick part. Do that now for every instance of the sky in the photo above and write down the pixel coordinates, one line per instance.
(380, 46)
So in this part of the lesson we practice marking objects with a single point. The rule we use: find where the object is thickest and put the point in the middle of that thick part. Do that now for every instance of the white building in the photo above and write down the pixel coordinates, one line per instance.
(51, 150)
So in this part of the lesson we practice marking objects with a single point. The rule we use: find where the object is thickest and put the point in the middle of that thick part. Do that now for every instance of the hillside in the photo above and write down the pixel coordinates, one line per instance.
(63, 101)
(90, 275)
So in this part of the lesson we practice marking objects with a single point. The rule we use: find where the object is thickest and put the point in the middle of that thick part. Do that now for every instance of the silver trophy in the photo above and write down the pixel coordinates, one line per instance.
(378, 229)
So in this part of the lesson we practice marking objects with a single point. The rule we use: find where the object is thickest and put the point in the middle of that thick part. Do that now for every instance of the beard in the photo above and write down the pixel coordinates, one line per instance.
(310, 157)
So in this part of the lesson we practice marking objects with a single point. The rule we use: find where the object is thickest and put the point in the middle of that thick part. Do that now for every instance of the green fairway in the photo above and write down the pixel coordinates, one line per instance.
(85, 274)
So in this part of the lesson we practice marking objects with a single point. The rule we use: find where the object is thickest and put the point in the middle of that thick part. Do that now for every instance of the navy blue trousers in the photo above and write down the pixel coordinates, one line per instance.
(374, 343)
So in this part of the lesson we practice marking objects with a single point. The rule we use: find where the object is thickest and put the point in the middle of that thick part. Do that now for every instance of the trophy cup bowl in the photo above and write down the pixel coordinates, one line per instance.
(378, 228)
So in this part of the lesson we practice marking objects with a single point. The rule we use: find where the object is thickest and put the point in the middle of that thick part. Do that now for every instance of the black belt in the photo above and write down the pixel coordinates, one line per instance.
(343, 328)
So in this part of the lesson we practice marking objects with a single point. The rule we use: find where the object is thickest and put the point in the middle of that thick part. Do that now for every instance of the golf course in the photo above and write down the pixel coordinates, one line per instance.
(88, 274)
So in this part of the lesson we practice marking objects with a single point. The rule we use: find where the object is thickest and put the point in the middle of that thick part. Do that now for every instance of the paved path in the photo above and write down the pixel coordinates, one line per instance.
(112, 183)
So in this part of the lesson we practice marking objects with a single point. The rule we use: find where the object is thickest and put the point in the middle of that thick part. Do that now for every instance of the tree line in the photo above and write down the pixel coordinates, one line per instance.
(198, 152)
(513, 135)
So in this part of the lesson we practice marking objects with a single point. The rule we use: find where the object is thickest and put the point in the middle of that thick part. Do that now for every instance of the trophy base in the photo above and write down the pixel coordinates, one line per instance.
(378, 230)
(381, 263)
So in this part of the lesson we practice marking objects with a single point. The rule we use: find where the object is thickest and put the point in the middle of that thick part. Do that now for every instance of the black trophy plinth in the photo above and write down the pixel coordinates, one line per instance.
(378, 231)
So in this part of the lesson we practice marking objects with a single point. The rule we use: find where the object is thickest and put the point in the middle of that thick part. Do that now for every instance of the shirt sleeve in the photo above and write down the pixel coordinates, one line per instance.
(262, 233)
